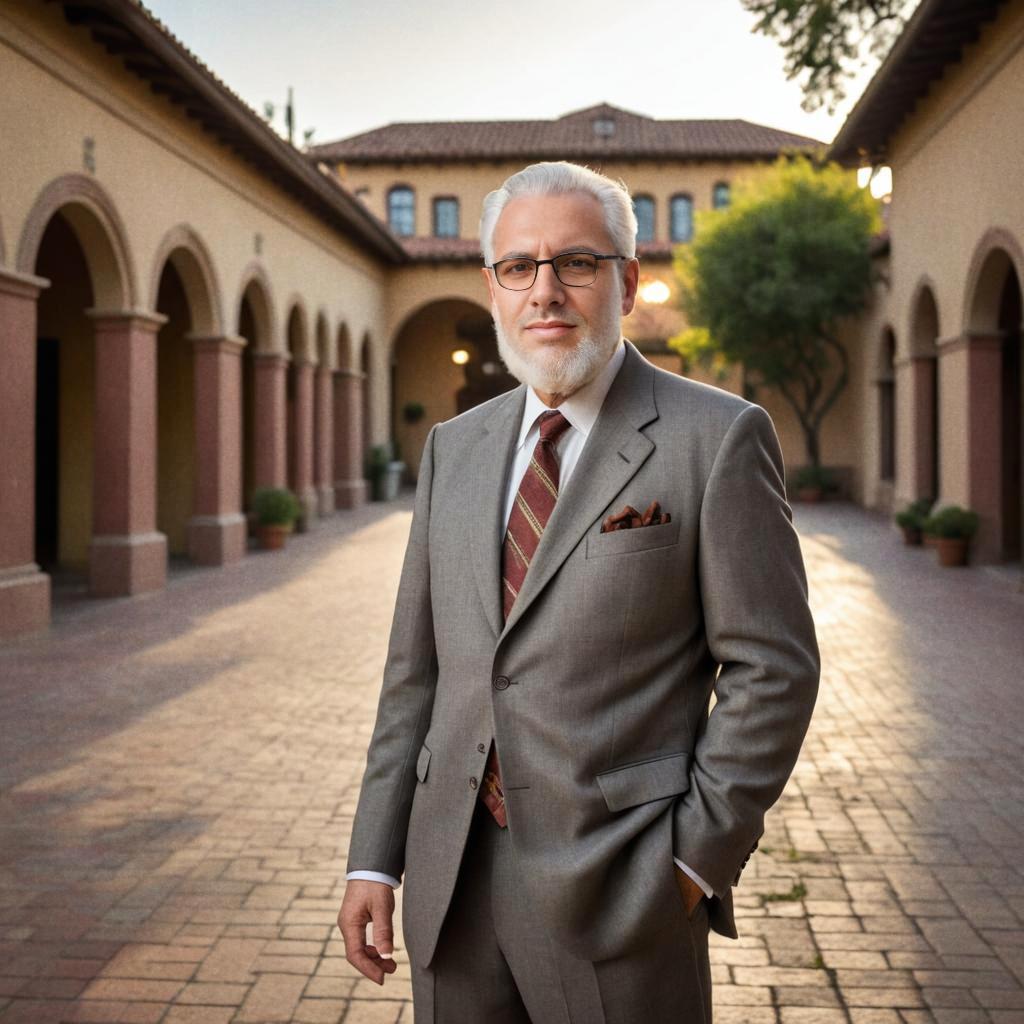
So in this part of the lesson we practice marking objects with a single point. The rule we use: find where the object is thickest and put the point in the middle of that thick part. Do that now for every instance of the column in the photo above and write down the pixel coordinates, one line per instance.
(270, 429)
(127, 554)
(924, 441)
(303, 443)
(24, 589)
(216, 531)
(985, 441)
(324, 454)
(350, 487)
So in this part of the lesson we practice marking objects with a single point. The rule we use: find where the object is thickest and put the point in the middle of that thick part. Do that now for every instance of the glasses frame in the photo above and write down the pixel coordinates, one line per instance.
(537, 264)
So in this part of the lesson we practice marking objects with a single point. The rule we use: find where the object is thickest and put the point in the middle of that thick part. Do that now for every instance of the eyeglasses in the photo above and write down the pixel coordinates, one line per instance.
(573, 269)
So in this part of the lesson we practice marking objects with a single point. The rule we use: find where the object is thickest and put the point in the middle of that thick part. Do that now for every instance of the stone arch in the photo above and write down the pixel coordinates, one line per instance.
(94, 218)
(995, 255)
(443, 360)
(321, 340)
(296, 338)
(191, 259)
(411, 301)
(924, 326)
(255, 289)
(344, 357)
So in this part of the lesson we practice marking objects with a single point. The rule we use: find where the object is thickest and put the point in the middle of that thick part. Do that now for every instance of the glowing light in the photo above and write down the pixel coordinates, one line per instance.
(460, 357)
(881, 182)
(864, 176)
(654, 292)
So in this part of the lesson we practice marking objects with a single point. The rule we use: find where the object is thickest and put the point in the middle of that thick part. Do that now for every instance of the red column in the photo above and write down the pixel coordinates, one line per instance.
(24, 590)
(270, 428)
(303, 443)
(985, 442)
(216, 531)
(127, 554)
(324, 454)
(350, 487)
(924, 412)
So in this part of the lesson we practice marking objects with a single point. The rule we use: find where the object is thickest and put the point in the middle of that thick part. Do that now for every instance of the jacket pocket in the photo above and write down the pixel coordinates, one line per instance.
(655, 779)
(639, 538)
(423, 763)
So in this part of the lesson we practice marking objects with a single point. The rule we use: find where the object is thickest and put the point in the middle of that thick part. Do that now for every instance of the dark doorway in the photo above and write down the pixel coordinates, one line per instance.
(1012, 491)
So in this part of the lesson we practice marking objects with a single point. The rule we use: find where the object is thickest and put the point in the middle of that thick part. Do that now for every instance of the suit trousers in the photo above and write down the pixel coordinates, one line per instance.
(493, 965)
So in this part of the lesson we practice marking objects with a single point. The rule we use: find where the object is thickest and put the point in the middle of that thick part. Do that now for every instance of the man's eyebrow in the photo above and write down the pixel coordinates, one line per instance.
(582, 247)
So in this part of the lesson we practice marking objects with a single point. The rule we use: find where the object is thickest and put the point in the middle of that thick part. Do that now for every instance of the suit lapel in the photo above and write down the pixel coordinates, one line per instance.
(488, 466)
(614, 452)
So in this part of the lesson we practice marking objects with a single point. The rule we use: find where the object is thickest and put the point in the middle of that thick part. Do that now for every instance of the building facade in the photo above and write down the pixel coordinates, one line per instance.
(940, 411)
(427, 181)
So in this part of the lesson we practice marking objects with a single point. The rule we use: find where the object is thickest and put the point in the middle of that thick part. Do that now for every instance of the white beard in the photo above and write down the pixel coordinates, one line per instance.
(559, 370)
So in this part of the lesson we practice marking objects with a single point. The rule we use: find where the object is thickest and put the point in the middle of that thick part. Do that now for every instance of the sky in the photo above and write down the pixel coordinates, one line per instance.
(355, 65)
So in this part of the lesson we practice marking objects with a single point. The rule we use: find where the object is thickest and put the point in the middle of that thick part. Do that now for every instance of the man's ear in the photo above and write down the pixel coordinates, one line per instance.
(630, 283)
(489, 278)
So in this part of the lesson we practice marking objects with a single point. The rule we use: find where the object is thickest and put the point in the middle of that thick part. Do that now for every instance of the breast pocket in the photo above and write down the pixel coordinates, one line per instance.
(627, 542)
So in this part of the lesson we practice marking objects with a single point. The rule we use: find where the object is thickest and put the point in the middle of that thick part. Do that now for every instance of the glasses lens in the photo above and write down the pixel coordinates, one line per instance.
(517, 274)
(576, 268)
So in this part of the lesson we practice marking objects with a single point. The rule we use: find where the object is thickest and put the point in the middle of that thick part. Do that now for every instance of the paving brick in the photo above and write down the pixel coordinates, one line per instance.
(274, 997)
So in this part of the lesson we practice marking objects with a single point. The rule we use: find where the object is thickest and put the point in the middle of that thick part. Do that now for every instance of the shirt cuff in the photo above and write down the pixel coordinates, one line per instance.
(705, 888)
(373, 876)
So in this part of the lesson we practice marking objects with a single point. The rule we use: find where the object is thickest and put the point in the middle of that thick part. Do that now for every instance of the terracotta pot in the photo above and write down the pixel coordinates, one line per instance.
(272, 538)
(911, 535)
(952, 550)
(810, 494)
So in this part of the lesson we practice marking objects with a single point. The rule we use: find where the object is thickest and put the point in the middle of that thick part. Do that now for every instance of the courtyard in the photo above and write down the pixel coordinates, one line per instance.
(180, 770)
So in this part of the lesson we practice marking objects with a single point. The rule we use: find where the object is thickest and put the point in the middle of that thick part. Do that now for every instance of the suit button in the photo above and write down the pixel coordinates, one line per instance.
(501, 683)
(472, 782)
(481, 748)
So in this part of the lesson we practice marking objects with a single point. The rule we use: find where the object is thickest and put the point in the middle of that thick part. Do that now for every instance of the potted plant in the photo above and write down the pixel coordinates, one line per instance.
(275, 510)
(813, 483)
(952, 527)
(911, 520)
(384, 471)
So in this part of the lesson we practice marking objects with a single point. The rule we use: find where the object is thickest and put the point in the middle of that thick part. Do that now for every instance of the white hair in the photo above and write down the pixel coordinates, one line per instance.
(558, 178)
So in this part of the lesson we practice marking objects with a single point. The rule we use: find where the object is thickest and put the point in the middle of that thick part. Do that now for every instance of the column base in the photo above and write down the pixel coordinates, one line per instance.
(216, 540)
(130, 564)
(325, 496)
(24, 600)
(310, 504)
(351, 493)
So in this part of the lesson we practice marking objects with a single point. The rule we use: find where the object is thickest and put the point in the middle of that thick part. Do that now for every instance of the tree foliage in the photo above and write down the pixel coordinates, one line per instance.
(824, 40)
(765, 283)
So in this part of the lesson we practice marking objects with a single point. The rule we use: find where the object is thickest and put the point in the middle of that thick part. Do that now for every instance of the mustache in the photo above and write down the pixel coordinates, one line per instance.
(573, 319)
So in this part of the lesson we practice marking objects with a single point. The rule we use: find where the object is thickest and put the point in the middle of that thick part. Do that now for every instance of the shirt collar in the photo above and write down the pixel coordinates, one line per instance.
(581, 408)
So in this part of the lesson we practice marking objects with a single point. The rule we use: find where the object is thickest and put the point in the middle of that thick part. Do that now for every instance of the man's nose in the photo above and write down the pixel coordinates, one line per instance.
(547, 289)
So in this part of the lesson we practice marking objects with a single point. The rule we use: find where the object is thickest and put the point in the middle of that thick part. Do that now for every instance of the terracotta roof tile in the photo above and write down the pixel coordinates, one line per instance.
(596, 133)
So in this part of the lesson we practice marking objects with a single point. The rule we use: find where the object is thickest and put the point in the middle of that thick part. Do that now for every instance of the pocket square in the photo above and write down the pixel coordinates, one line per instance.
(629, 518)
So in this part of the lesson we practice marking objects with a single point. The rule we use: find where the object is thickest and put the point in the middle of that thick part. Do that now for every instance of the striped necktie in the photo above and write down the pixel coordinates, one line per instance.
(535, 501)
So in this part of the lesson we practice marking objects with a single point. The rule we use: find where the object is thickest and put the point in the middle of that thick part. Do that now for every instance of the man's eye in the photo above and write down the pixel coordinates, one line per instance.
(517, 268)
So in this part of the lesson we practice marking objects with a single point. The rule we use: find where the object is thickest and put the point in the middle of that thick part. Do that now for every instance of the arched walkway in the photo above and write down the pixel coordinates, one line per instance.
(924, 395)
(995, 396)
(350, 488)
(886, 381)
(323, 419)
(299, 415)
(444, 361)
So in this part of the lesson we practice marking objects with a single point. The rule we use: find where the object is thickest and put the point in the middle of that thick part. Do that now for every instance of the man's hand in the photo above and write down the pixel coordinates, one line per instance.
(366, 901)
(692, 892)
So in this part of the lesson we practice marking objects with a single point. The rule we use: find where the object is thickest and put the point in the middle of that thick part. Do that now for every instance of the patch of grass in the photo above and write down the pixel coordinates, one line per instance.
(798, 892)
(793, 854)
(818, 963)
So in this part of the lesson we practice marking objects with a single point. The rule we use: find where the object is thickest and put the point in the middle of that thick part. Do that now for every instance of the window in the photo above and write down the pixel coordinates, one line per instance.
(680, 225)
(604, 127)
(402, 211)
(446, 217)
(643, 207)
(720, 195)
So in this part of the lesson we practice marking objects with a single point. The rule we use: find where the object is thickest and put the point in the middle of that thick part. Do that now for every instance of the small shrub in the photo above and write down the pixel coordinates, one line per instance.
(275, 506)
(953, 521)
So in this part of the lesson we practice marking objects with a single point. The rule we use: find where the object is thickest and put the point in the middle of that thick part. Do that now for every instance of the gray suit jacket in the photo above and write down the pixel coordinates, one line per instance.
(597, 688)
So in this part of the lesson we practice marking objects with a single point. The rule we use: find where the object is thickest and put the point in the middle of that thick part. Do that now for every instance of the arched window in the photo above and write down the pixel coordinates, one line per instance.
(402, 211)
(720, 195)
(643, 207)
(446, 217)
(680, 223)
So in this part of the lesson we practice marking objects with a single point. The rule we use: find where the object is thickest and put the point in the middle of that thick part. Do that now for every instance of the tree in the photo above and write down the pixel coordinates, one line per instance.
(765, 283)
(824, 39)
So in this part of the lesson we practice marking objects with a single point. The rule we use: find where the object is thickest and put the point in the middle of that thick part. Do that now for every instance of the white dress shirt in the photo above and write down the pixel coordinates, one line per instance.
(581, 409)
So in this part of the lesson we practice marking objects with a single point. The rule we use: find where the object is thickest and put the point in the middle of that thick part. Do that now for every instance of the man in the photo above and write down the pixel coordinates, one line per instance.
(544, 770)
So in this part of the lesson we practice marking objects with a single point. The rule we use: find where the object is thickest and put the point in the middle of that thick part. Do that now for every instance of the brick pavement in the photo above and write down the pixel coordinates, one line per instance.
(179, 772)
